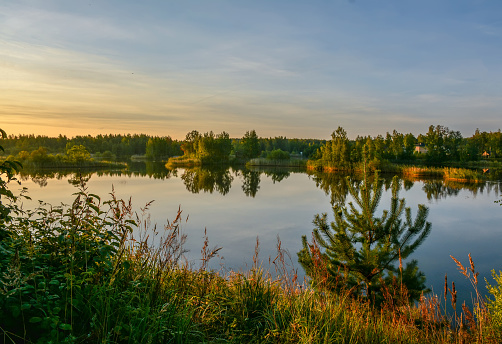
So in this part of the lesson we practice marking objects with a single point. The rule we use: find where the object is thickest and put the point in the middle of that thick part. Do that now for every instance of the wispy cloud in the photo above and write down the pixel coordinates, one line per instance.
(282, 67)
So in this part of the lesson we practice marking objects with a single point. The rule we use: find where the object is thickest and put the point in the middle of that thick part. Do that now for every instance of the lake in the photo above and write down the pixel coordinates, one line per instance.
(238, 205)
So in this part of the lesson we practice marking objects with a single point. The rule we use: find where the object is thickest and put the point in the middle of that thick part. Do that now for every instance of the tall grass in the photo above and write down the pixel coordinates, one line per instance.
(275, 162)
(417, 171)
(462, 174)
(98, 272)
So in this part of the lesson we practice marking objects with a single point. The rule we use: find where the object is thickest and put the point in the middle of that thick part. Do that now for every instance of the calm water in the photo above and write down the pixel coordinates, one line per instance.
(237, 206)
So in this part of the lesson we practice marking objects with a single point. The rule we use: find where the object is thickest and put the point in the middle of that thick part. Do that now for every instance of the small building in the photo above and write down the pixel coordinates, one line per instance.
(420, 148)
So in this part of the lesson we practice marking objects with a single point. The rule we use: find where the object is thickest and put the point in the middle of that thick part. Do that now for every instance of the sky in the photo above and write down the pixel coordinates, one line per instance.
(286, 68)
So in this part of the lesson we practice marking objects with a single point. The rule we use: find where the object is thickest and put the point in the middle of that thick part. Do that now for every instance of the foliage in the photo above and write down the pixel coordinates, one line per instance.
(78, 154)
(278, 154)
(161, 148)
(265, 162)
(305, 147)
(462, 174)
(121, 146)
(361, 249)
(8, 168)
(337, 151)
(250, 145)
(444, 146)
(73, 274)
(495, 303)
(207, 148)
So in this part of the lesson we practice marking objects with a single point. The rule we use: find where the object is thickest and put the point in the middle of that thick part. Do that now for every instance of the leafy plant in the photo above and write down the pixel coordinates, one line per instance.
(8, 168)
(495, 303)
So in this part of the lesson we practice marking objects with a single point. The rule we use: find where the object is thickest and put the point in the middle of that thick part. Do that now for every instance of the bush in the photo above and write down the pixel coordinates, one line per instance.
(495, 303)
(278, 154)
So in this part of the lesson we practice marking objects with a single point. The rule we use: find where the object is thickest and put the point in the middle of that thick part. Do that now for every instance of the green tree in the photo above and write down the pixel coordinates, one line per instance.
(362, 249)
(78, 154)
(409, 145)
(39, 156)
(158, 148)
(189, 146)
(251, 145)
(336, 152)
(397, 145)
(278, 154)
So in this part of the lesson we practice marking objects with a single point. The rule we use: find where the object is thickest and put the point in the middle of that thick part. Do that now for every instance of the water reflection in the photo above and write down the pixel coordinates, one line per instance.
(336, 186)
(333, 184)
(208, 180)
(437, 189)
(220, 179)
(251, 182)
(136, 169)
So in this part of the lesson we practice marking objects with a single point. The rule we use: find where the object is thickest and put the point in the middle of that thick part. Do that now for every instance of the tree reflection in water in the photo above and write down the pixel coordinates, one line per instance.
(219, 179)
(208, 180)
(251, 182)
(335, 185)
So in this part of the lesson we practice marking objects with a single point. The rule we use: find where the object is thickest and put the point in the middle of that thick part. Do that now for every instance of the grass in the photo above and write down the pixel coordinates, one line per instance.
(280, 163)
(447, 173)
(462, 174)
(98, 272)
(420, 171)
(182, 162)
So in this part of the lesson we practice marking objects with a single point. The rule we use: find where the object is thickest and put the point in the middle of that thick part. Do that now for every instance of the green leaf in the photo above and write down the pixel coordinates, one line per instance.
(65, 327)
(35, 320)
(25, 306)
(16, 311)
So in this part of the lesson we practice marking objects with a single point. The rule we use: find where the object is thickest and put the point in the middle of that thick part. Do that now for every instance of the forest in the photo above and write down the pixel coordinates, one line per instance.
(438, 146)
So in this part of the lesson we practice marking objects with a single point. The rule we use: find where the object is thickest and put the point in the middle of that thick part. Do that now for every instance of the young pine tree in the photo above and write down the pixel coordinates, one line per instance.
(362, 250)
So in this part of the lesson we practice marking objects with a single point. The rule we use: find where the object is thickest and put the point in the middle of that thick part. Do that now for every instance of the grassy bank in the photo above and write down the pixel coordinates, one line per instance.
(278, 163)
(92, 164)
(181, 161)
(448, 173)
(97, 271)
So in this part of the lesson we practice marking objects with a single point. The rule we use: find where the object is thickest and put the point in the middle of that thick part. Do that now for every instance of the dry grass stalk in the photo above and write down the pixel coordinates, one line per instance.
(206, 253)
(453, 293)
(288, 276)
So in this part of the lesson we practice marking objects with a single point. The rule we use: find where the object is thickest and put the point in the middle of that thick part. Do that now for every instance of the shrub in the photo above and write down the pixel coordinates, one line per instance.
(278, 154)
(495, 303)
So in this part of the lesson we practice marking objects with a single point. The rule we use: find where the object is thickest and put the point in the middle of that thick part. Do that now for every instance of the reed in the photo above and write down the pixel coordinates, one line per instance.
(280, 163)
(462, 174)
(417, 171)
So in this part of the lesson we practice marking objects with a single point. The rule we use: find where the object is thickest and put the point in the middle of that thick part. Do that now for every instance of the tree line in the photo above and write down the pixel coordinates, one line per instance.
(438, 145)
(207, 147)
